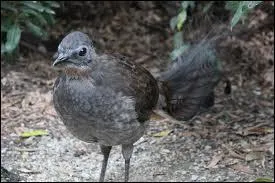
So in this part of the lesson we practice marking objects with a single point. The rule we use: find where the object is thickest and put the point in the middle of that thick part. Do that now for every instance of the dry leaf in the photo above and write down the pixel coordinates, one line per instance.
(259, 131)
(231, 161)
(242, 168)
(256, 131)
(162, 133)
(234, 154)
(155, 117)
(253, 156)
(215, 160)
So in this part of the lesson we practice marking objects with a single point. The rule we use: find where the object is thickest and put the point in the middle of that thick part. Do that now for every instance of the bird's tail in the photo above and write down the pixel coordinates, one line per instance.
(187, 87)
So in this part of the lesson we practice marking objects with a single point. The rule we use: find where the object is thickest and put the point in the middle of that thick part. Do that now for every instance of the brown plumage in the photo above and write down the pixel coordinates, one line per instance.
(109, 99)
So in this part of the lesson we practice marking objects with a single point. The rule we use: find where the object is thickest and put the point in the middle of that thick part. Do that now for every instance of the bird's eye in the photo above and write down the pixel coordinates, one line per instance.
(82, 52)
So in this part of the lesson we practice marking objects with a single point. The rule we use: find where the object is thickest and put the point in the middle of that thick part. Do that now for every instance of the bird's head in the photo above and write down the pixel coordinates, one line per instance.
(74, 51)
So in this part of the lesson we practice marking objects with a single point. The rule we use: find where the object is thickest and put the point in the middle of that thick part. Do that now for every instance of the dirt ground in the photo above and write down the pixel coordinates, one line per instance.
(233, 141)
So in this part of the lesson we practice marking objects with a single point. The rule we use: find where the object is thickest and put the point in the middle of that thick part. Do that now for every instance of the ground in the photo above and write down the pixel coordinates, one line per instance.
(233, 141)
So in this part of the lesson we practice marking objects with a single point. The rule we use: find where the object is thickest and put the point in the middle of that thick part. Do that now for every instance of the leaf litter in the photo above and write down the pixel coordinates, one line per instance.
(237, 133)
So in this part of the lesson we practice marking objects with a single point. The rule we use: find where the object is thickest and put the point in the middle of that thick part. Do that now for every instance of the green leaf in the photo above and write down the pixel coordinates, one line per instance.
(50, 11)
(178, 40)
(38, 6)
(37, 15)
(186, 4)
(50, 19)
(34, 133)
(13, 37)
(241, 8)
(53, 4)
(237, 16)
(8, 6)
(181, 19)
(252, 4)
(232, 5)
(177, 52)
(263, 180)
(173, 22)
(34, 5)
(36, 30)
(5, 25)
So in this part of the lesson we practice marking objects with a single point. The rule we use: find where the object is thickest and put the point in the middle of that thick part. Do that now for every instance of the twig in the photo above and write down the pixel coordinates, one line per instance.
(26, 150)
(233, 153)
(29, 171)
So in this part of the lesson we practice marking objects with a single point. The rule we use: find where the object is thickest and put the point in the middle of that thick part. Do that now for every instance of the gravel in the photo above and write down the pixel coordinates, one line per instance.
(61, 157)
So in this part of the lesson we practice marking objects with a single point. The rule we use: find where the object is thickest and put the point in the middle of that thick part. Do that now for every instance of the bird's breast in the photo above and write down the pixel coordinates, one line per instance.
(91, 111)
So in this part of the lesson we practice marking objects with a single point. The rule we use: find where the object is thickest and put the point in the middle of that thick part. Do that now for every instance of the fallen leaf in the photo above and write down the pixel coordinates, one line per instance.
(25, 170)
(232, 153)
(231, 161)
(34, 133)
(215, 160)
(259, 131)
(155, 117)
(162, 133)
(255, 131)
(260, 148)
(262, 179)
(253, 156)
(242, 168)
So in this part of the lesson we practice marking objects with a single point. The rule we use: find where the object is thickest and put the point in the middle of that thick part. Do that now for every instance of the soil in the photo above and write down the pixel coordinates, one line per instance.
(233, 141)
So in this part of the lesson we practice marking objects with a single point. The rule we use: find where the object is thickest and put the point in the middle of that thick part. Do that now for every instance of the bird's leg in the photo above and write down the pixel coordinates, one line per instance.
(105, 151)
(127, 150)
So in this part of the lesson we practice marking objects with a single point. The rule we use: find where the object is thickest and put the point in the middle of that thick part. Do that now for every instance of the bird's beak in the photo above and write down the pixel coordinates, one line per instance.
(59, 59)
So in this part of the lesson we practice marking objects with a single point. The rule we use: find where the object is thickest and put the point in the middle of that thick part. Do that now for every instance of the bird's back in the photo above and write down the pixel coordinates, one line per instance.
(132, 80)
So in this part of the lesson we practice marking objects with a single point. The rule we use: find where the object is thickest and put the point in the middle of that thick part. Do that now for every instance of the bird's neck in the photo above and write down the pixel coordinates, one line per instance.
(78, 73)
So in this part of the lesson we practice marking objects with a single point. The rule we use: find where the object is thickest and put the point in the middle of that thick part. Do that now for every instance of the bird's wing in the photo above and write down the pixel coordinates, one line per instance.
(132, 80)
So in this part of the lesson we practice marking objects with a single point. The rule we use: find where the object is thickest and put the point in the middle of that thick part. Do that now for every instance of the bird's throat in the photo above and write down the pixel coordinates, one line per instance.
(77, 73)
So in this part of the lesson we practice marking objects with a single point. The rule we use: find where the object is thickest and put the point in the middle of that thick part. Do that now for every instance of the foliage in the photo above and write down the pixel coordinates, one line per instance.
(263, 180)
(238, 8)
(34, 133)
(28, 16)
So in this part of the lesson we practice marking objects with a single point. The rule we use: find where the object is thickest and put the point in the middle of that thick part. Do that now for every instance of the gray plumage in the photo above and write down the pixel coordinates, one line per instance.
(190, 80)
(109, 99)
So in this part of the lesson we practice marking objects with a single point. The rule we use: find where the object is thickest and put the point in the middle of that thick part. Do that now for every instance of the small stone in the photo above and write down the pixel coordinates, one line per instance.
(183, 172)
(85, 175)
(165, 151)
(194, 177)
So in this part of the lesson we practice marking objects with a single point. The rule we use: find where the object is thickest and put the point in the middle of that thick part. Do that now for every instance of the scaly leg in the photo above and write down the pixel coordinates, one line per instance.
(105, 151)
(127, 150)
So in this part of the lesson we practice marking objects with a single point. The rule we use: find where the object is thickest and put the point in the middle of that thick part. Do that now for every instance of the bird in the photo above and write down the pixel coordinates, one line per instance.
(108, 99)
